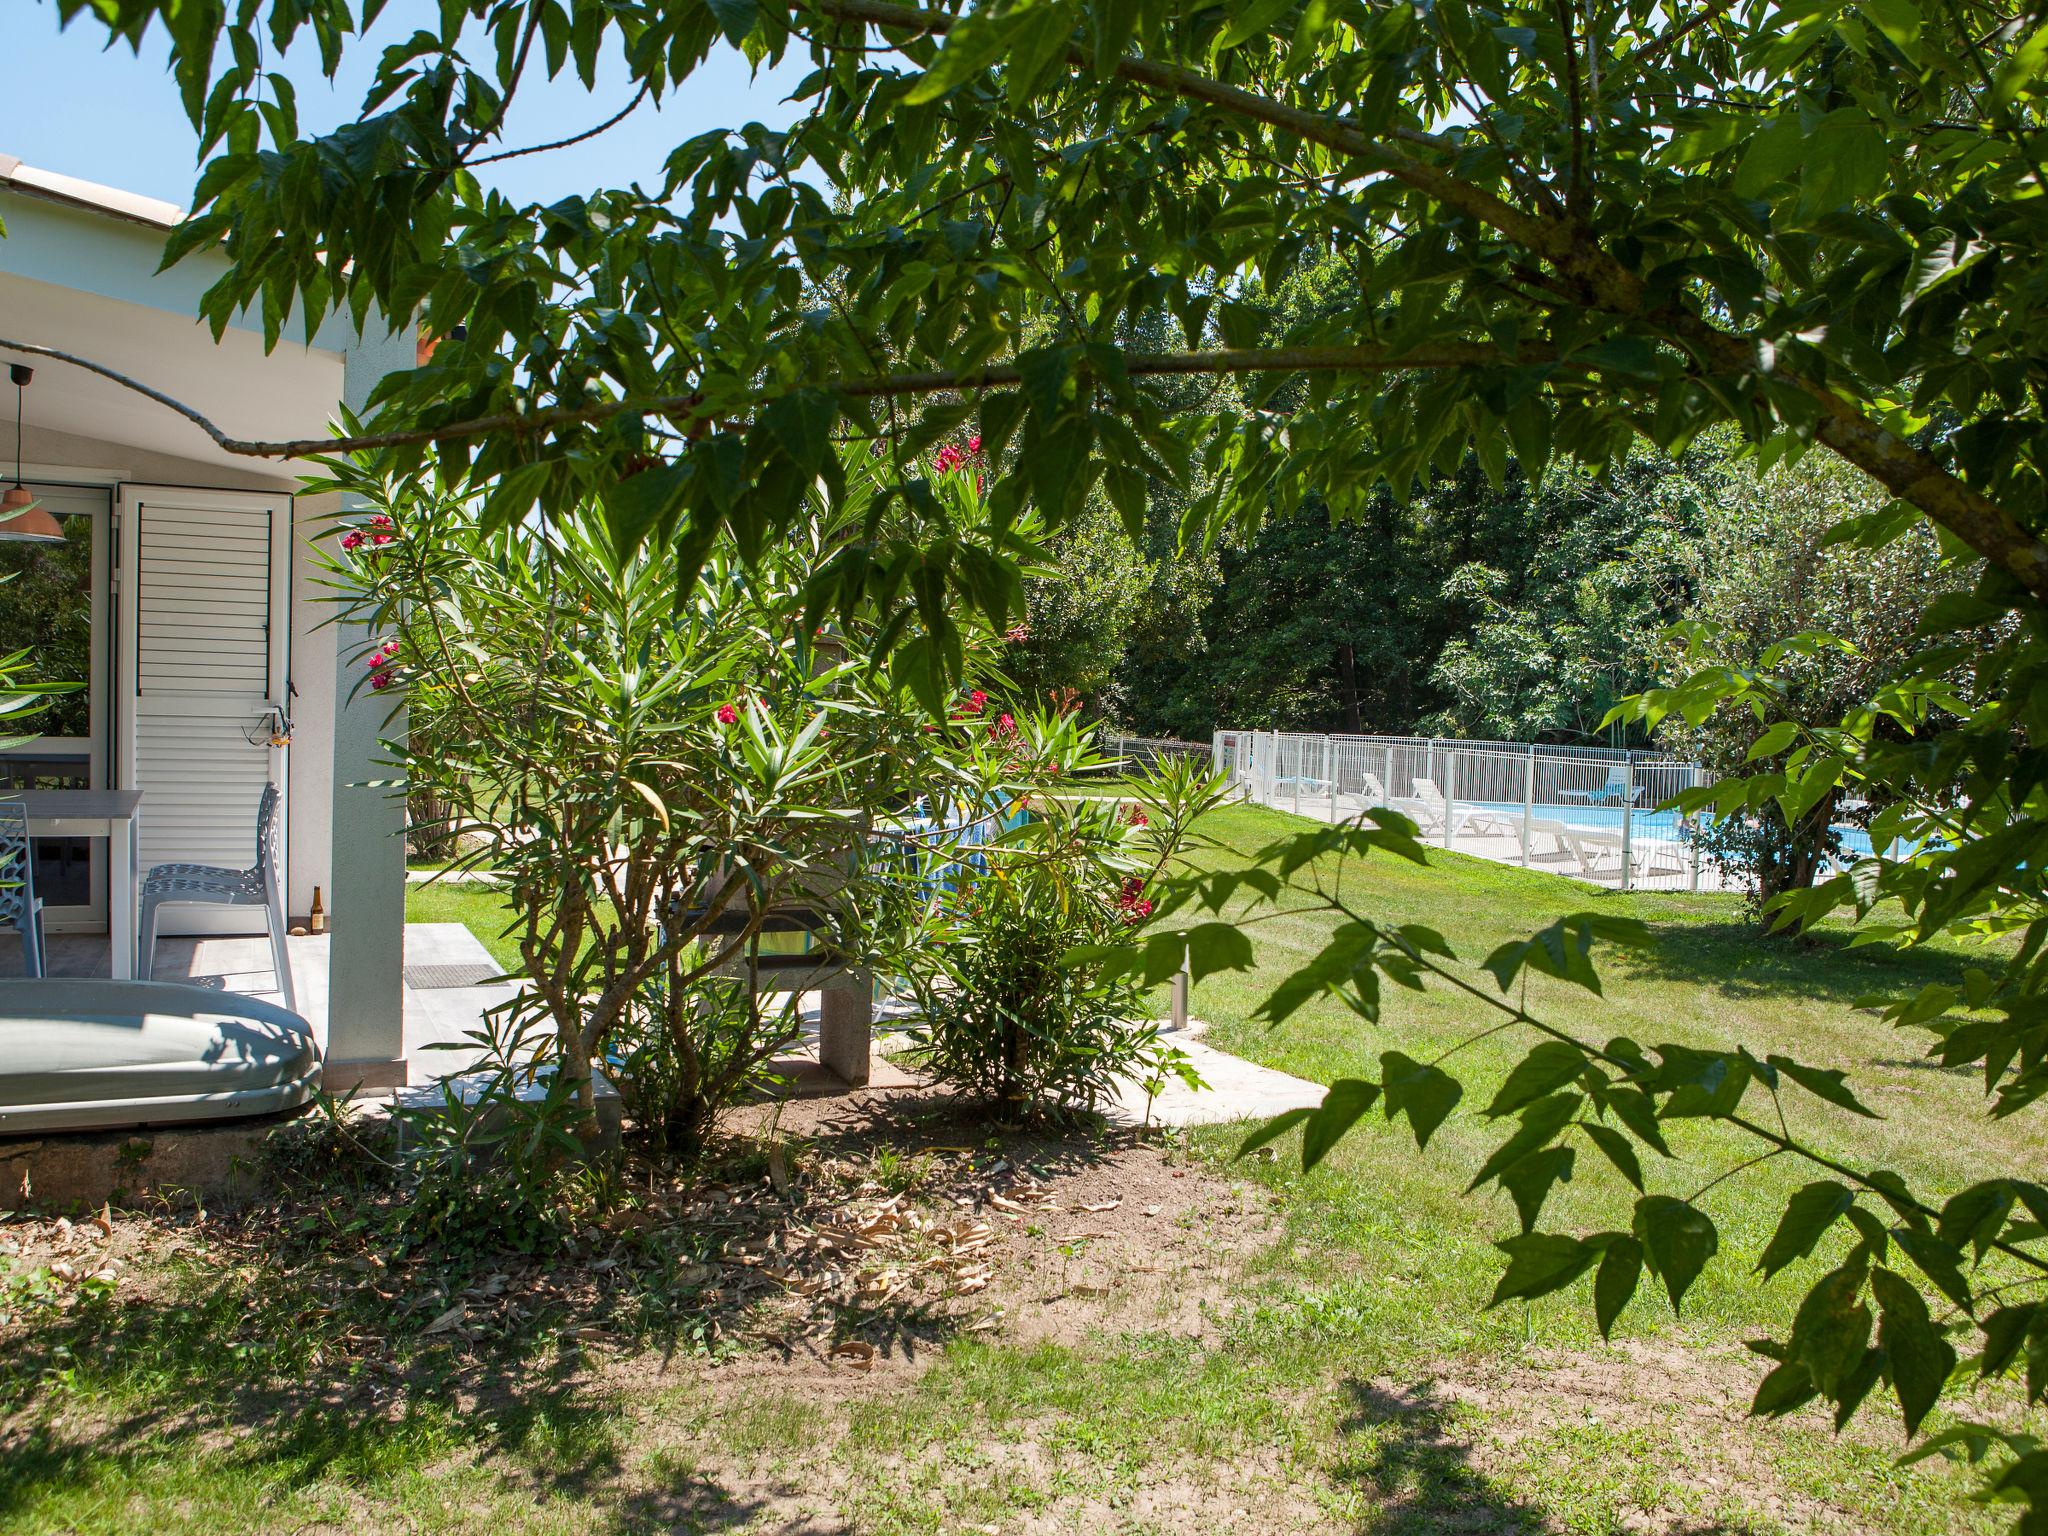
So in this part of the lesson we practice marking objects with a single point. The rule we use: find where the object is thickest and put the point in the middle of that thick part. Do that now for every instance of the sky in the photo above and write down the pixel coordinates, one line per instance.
(75, 107)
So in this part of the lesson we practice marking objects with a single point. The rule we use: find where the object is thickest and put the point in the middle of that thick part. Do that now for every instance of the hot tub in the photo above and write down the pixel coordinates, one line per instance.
(88, 1055)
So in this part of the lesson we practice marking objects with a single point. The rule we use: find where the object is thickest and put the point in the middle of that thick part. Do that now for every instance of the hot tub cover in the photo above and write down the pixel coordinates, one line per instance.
(96, 1055)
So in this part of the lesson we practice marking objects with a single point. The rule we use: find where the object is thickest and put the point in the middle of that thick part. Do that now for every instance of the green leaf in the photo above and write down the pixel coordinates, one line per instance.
(1272, 1130)
(1252, 20)
(1425, 1094)
(1773, 741)
(1775, 151)
(1918, 1358)
(1529, 1180)
(1808, 1215)
(1036, 49)
(1677, 1240)
(1214, 947)
(1618, 1149)
(1786, 1388)
(973, 45)
(1565, 948)
(1613, 1288)
(802, 422)
(1832, 1329)
(639, 504)
(1539, 1263)
(736, 18)
(1347, 1099)
(1547, 1067)
(1823, 1082)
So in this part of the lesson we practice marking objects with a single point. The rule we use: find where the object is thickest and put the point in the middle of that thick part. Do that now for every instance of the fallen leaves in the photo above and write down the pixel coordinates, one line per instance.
(452, 1318)
(857, 1353)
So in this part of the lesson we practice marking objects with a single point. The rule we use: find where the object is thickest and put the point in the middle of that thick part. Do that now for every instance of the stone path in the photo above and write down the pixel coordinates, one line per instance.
(1237, 1089)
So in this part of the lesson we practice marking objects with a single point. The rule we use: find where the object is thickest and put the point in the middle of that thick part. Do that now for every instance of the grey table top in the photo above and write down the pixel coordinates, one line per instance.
(80, 804)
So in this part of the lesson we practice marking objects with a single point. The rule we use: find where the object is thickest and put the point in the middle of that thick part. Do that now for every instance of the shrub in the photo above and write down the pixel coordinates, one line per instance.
(1011, 1010)
(654, 744)
(681, 1052)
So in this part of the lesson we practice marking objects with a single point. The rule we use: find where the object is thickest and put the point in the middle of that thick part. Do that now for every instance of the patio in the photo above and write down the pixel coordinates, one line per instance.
(444, 994)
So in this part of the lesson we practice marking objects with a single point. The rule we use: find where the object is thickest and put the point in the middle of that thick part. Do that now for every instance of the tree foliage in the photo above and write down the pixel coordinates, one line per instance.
(1817, 223)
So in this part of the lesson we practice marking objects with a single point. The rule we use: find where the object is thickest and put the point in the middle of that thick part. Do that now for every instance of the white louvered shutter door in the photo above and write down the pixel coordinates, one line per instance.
(206, 627)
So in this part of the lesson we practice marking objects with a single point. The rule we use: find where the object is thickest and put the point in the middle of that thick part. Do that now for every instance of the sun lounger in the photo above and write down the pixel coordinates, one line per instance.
(1464, 819)
(1613, 792)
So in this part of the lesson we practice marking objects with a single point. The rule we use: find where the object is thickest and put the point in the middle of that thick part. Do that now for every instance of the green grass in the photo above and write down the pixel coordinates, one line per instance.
(484, 909)
(1352, 1381)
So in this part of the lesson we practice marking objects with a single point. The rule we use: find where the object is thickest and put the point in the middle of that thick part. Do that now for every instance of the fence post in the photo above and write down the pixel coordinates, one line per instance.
(1628, 820)
(1450, 788)
(1387, 783)
(1215, 751)
(1528, 801)
(1330, 775)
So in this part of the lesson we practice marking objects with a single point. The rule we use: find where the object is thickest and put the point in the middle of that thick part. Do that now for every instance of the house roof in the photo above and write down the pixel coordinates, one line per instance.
(57, 188)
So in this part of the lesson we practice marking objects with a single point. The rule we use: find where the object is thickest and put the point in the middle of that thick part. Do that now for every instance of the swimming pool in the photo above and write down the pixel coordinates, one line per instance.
(1650, 826)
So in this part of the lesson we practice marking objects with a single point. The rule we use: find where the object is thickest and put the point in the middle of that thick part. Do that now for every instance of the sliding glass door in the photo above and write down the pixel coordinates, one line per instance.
(53, 604)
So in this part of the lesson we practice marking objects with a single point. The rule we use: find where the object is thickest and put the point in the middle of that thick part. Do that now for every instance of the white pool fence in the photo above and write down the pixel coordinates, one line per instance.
(1588, 812)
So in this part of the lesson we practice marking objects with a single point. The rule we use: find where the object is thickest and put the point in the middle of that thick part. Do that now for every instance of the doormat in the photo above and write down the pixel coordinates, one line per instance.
(437, 978)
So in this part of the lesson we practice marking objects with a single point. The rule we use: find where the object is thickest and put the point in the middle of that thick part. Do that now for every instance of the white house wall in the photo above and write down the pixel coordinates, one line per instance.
(52, 454)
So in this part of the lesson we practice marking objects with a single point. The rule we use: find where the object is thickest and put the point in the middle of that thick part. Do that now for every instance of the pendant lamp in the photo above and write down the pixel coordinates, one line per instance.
(22, 519)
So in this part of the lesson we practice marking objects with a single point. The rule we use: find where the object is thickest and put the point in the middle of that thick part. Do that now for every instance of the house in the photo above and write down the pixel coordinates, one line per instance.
(191, 593)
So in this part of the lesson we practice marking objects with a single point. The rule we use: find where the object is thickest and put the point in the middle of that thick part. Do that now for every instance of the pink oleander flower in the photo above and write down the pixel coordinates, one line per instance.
(974, 444)
(1135, 817)
(390, 647)
(380, 521)
(383, 680)
(1003, 726)
(948, 459)
(1137, 912)
(1017, 633)
(728, 715)
(352, 540)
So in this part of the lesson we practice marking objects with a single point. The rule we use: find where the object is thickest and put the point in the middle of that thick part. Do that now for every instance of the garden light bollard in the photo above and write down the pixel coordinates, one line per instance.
(1628, 821)
(1180, 996)
(1528, 801)
(1692, 841)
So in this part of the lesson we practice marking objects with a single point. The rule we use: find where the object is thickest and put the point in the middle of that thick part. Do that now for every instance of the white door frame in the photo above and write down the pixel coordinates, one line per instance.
(131, 504)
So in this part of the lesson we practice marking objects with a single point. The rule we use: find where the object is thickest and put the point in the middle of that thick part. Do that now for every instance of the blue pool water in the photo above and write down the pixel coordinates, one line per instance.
(1654, 825)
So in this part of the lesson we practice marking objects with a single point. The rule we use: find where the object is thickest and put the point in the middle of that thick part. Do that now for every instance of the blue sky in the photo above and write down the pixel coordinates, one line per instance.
(75, 107)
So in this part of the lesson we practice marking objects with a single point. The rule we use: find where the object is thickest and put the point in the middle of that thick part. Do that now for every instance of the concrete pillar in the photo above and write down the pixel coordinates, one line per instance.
(846, 1025)
(366, 1003)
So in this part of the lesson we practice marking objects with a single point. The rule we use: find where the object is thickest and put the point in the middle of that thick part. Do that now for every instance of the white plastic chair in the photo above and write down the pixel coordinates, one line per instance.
(209, 885)
(20, 908)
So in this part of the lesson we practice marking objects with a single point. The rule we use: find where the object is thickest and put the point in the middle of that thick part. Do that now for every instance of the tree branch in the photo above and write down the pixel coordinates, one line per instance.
(1915, 477)
(611, 122)
(1238, 360)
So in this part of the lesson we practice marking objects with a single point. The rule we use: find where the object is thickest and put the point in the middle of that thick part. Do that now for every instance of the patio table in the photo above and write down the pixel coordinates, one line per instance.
(110, 813)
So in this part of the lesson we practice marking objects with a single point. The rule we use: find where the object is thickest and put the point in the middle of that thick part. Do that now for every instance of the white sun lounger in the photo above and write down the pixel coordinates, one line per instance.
(1463, 818)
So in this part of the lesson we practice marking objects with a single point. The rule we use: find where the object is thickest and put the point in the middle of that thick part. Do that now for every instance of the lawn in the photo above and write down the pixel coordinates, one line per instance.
(1310, 1353)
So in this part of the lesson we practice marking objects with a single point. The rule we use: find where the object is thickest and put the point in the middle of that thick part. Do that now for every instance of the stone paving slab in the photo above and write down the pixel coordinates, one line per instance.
(1237, 1090)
